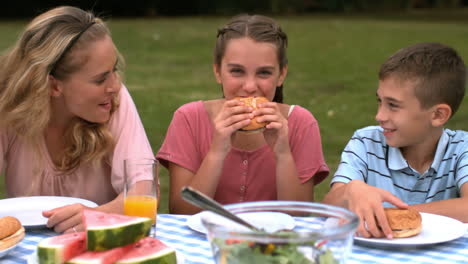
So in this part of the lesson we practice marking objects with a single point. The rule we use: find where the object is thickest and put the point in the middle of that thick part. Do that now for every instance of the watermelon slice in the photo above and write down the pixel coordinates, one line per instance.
(58, 249)
(149, 250)
(101, 257)
(106, 231)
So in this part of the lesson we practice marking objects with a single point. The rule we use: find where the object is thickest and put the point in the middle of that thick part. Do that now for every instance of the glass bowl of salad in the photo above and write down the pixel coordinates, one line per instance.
(288, 232)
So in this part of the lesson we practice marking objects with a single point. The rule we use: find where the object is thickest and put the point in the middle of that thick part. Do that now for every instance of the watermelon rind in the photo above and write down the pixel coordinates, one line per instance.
(117, 235)
(165, 256)
(49, 255)
(58, 249)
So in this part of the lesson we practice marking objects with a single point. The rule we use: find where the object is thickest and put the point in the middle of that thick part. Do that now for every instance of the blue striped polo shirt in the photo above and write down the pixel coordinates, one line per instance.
(367, 157)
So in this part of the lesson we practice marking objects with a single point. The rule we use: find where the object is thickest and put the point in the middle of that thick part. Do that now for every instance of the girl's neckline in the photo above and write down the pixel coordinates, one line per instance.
(249, 152)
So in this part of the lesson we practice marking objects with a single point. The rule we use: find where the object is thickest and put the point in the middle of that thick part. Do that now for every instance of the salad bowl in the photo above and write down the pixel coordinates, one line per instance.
(322, 234)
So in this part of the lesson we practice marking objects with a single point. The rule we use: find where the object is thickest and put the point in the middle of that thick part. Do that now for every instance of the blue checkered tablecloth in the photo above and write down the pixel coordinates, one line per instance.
(194, 247)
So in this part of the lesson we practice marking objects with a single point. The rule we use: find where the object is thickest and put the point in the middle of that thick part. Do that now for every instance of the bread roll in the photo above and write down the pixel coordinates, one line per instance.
(8, 225)
(11, 232)
(404, 222)
(253, 102)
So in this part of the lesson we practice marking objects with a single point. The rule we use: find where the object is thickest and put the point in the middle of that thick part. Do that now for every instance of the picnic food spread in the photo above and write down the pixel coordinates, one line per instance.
(109, 238)
(11, 231)
(404, 222)
(253, 101)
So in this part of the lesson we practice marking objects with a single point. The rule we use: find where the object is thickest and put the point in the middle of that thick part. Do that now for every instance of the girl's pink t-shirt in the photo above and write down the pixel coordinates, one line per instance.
(100, 184)
(246, 175)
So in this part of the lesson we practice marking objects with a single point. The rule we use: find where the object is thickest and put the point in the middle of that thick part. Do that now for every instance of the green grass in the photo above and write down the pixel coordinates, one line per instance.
(333, 64)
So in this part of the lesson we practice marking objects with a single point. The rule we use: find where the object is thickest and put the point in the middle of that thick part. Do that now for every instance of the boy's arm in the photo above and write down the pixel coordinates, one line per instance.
(366, 202)
(349, 188)
(456, 208)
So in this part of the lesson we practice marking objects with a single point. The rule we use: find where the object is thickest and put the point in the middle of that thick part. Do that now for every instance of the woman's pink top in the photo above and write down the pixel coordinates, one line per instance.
(246, 175)
(101, 183)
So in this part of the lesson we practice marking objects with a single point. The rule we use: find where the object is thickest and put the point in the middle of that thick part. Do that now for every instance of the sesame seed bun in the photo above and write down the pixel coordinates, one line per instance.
(253, 102)
(404, 222)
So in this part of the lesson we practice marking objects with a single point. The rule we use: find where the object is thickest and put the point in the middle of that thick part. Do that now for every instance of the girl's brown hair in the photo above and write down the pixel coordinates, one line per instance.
(260, 29)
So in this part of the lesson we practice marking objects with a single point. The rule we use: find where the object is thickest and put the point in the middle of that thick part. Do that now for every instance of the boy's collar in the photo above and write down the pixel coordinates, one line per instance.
(396, 161)
(440, 151)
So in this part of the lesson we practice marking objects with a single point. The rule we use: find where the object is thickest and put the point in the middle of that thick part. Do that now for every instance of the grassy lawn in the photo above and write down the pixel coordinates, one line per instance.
(333, 65)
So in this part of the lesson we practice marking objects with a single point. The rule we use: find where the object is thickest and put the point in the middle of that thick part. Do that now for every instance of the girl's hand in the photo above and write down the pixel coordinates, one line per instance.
(276, 132)
(233, 115)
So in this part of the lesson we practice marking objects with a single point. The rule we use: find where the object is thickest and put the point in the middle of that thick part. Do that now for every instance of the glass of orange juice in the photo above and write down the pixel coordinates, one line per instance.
(141, 190)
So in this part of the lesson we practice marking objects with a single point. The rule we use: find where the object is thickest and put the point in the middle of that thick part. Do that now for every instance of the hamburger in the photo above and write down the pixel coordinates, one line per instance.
(404, 222)
(11, 232)
(253, 101)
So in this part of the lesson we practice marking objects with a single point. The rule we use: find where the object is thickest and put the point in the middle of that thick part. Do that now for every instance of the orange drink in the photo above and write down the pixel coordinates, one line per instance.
(141, 205)
(141, 188)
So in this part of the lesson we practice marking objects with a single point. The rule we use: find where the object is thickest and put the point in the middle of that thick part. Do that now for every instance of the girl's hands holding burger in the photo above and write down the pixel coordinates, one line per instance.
(268, 115)
(234, 115)
(276, 132)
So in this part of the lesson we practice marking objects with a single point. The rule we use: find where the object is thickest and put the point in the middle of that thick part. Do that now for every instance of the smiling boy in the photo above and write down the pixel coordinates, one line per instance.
(410, 159)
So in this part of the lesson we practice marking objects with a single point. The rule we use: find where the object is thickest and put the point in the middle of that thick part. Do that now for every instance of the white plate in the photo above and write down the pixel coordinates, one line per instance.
(32, 259)
(268, 221)
(29, 209)
(6, 251)
(435, 229)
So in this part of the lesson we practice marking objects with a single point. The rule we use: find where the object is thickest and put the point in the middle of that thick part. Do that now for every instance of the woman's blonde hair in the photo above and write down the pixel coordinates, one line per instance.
(46, 47)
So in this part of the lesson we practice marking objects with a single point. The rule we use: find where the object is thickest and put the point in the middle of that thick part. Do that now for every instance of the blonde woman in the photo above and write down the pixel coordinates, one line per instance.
(67, 122)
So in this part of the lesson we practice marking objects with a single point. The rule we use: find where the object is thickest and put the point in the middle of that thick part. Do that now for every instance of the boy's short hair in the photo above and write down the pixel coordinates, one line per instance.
(438, 70)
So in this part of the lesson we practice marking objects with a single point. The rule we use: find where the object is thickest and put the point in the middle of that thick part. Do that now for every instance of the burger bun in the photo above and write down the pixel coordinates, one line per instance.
(11, 232)
(406, 232)
(404, 222)
(253, 101)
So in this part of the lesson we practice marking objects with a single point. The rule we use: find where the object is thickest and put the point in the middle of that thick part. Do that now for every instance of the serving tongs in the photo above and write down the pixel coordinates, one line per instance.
(204, 202)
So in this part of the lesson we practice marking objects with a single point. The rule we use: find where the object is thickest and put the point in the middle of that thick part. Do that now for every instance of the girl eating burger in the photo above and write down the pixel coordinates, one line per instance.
(212, 146)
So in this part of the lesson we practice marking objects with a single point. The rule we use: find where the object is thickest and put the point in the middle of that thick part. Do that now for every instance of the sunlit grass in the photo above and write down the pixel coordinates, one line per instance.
(333, 64)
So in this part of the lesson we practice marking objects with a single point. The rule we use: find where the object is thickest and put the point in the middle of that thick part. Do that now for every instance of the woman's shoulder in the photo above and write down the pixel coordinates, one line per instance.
(7, 138)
